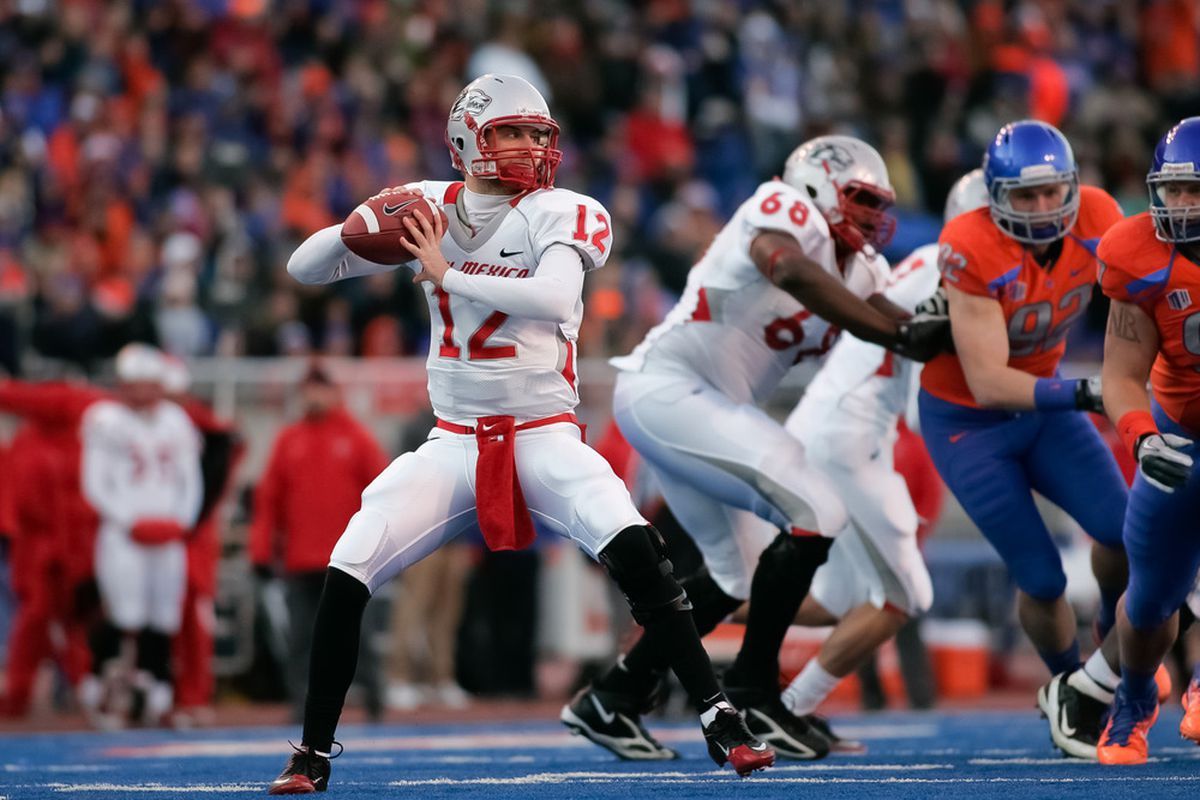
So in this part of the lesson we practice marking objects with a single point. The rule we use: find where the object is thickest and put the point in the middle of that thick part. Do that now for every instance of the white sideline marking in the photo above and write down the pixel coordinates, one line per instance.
(58, 767)
(769, 777)
(147, 788)
(471, 741)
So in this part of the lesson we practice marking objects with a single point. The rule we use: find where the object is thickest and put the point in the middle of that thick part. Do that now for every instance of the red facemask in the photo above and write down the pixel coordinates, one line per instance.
(522, 168)
(865, 220)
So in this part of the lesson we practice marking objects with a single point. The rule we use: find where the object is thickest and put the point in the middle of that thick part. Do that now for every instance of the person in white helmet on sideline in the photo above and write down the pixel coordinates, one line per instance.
(141, 473)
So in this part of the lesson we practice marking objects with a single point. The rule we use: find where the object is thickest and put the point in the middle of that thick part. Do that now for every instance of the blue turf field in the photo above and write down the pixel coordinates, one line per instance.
(975, 754)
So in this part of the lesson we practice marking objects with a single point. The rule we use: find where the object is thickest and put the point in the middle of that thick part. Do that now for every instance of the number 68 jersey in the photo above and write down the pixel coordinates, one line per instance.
(483, 362)
(734, 328)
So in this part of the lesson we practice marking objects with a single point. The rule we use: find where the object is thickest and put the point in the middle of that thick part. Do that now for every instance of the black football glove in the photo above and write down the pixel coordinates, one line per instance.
(1162, 460)
(935, 305)
(922, 337)
(1087, 395)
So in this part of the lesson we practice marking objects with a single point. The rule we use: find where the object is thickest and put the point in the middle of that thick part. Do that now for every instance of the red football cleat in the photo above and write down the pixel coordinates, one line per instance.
(729, 740)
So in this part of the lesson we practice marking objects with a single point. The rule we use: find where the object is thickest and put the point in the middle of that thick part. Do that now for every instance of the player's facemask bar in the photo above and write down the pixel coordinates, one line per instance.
(522, 168)
(865, 218)
(1034, 227)
(1178, 224)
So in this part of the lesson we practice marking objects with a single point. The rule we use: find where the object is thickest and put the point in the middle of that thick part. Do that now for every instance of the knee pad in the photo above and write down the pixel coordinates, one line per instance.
(710, 604)
(1148, 607)
(789, 557)
(637, 560)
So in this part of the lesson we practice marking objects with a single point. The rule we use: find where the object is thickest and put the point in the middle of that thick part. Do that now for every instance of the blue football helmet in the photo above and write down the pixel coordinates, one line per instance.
(1024, 154)
(1176, 159)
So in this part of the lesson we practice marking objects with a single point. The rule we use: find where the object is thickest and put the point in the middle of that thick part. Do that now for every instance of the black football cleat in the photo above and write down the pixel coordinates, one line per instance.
(770, 720)
(836, 743)
(613, 721)
(307, 771)
(729, 741)
(1076, 719)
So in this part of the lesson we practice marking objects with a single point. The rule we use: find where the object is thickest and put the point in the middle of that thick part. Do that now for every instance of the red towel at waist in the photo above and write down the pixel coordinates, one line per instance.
(499, 502)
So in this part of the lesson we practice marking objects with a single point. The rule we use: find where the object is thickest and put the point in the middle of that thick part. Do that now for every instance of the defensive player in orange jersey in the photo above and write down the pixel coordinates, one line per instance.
(1151, 267)
(1000, 423)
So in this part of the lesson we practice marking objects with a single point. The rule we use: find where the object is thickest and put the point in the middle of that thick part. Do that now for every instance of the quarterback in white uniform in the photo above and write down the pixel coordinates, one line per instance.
(875, 578)
(797, 259)
(141, 473)
(504, 287)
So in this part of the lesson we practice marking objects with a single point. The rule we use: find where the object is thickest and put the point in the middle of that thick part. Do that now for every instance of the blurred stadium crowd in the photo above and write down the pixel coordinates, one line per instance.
(160, 160)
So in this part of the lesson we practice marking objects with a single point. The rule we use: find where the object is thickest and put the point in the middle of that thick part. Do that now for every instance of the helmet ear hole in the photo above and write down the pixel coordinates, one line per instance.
(459, 142)
(812, 191)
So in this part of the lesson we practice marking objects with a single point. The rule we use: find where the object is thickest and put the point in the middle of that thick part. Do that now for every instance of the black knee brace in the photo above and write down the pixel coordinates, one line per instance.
(637, 561)
(789, 557)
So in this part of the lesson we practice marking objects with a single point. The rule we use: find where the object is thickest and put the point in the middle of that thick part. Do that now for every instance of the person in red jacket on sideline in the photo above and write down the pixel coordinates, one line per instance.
(53, 532)
(193, 646)
(312, 484)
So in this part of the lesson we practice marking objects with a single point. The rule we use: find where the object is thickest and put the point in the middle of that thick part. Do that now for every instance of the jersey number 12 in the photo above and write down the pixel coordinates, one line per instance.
(476, 349)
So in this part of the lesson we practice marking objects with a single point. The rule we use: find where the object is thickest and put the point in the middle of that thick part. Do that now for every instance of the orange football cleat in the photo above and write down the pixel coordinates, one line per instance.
(1189, 726)
(1124, 739)
(1162, 677)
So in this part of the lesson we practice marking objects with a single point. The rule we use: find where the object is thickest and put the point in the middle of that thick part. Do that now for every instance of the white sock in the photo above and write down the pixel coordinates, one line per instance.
(1098, 670)
(711, 713)
(809, 689)
(1096, 679)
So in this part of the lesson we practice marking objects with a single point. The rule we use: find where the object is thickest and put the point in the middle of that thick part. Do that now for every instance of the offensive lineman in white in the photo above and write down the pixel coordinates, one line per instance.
(504, 289)
(797, 258)
(141, 473)
(875, 578)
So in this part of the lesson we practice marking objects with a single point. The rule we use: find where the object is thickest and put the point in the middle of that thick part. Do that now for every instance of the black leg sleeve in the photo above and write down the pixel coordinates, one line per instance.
(334, 656)
(781, 582)
(637, 560)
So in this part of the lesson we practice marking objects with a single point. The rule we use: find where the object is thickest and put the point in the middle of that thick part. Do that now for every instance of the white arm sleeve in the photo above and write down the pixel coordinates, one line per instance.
(323, 258)
(550, 294)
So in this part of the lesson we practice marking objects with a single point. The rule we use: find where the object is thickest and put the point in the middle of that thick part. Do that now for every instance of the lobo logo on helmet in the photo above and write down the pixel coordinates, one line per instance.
(471, 102)
(831, 156)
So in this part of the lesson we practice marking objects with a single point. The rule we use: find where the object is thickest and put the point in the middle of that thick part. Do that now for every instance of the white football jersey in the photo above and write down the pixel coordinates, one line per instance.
(734, 328)
(141, 464)
(862, 389)
(483, 362)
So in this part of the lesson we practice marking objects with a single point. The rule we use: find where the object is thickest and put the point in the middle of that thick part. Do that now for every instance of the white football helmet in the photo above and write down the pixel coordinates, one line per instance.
(140, 363)
(492, 100)
(848, 182)
(968, 193)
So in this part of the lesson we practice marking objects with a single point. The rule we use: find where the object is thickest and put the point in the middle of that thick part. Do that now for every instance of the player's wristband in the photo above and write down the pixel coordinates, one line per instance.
(1133, 425)
(1053, 394)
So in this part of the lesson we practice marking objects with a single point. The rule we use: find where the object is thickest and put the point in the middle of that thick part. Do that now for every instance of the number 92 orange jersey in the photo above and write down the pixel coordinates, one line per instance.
(1138, 268)
(1040, 303)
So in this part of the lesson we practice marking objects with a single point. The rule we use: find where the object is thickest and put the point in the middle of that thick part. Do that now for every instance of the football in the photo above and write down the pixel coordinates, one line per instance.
(374, 229)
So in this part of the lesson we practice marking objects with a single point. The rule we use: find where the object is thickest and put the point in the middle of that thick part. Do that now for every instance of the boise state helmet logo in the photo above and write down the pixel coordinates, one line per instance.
(831, 156)
(471, 101)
